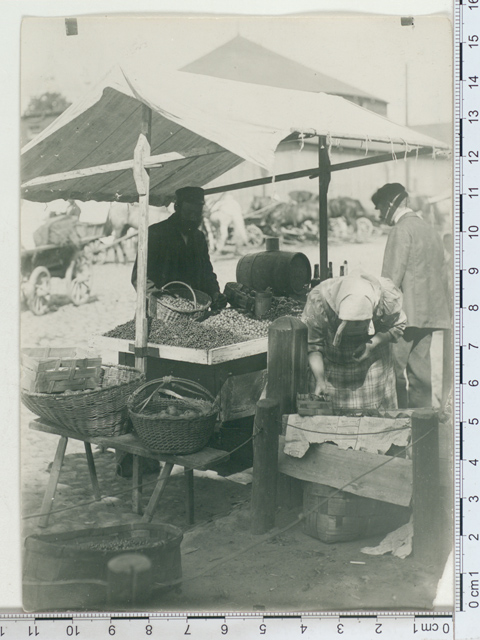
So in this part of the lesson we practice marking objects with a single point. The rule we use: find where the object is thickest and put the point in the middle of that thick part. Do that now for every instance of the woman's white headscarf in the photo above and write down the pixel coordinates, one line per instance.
(354, 298)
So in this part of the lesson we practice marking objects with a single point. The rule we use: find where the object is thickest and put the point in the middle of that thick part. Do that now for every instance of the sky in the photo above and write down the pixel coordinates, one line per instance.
(373, 53)
(363, 56)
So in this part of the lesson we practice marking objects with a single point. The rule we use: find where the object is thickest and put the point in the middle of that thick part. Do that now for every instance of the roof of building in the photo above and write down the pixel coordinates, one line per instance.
(242, 60)
(440, 131)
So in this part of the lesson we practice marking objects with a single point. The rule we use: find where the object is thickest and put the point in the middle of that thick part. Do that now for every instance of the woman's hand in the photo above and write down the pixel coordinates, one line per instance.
(363, 352)
(320, 387)
(315, 360)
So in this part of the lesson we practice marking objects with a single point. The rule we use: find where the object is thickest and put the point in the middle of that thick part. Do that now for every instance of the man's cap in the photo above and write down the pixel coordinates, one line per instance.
(196, 195)
(388, 193)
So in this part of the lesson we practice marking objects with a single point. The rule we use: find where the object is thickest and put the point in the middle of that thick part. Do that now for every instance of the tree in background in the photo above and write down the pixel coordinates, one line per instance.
(47, 103)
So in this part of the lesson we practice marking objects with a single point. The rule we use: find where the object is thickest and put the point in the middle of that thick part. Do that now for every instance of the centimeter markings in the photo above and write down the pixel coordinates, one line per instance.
(467, 312)
(458, 250)
(466, 162)
(236, 626)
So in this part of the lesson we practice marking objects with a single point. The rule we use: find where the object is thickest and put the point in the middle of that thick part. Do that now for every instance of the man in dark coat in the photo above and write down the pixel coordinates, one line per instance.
(414, 261)
(177, 249)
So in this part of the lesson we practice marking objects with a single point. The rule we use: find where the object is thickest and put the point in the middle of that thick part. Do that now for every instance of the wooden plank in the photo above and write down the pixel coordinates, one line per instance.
(107, 346)
(155, 161)
(130, 443)
(236, 351)
(329, 465)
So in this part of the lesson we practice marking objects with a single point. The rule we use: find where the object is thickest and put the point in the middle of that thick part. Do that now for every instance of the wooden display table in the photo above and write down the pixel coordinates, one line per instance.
(237, 370)
(128, 443)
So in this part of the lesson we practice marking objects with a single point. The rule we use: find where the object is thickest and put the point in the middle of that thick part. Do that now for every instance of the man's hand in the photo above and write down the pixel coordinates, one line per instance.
(219, 301)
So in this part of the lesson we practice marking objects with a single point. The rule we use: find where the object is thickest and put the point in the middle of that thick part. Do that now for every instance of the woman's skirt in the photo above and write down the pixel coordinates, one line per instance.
(360, 385)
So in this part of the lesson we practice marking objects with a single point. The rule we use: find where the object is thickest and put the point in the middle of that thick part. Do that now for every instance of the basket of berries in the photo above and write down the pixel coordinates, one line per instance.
(178, 300)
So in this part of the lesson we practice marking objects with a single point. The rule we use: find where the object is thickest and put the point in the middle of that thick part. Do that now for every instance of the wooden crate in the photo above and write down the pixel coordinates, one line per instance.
(333, 516)
(310, 405)
(53, 370)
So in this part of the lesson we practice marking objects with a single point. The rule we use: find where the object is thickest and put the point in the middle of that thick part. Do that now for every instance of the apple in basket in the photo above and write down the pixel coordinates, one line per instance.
(189, 414)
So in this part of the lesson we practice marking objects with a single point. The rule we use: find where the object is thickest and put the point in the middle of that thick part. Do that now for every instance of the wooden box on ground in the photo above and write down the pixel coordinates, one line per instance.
(53, 370)
(339, 516)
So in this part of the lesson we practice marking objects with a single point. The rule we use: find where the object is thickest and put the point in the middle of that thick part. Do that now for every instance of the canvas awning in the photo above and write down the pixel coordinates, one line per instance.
(201, 128)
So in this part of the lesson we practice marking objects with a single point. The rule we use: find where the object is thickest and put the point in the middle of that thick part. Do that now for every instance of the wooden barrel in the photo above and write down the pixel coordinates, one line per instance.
(284, 272)
(69, 570)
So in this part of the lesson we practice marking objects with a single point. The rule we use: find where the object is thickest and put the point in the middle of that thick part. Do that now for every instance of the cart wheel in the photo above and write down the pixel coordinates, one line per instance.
(38, 291)
(255, 235)
(79, 280)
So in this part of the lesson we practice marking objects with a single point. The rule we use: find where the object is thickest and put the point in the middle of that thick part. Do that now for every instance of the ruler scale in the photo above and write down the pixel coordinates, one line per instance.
(463, 623)
(467, 305)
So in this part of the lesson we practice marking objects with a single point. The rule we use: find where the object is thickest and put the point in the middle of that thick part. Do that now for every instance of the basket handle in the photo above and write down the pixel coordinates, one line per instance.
(189, 385)
(159, 382)
(185, 285)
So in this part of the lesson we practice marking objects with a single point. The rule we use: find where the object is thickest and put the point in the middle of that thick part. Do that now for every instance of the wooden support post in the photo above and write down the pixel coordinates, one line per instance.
(92, 471)
(323, 182)
(142, 182)
(129, 579)
(287, 362)
(137, 475)
(426, 507)
(189, 496)
(265, 465)
(52, 482)
(157, 492)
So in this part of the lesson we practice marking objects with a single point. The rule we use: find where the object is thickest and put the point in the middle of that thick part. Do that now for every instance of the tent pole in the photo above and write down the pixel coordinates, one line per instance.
(323, 182)
(142, 182)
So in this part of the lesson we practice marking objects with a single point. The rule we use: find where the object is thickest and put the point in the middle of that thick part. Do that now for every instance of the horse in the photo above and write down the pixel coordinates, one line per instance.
(122, 217)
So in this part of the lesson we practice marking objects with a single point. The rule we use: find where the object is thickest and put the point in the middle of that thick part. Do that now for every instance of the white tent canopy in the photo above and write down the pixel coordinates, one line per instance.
(201, 128)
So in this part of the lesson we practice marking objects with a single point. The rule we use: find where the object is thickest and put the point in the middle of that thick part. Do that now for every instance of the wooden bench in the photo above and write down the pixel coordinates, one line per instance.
(128, 443)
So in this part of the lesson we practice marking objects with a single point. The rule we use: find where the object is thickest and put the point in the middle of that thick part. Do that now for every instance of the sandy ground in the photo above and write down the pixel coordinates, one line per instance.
(289, 571)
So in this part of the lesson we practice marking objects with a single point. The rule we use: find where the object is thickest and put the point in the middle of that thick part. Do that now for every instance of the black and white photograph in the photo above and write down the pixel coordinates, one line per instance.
(236, 312)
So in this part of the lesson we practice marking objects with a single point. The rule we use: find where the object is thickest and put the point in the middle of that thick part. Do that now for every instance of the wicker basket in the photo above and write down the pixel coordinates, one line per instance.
(168, 313)
(153, 405)
(101, 412)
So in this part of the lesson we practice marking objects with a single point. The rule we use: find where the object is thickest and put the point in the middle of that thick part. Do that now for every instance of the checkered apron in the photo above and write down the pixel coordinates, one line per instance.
(359, 385)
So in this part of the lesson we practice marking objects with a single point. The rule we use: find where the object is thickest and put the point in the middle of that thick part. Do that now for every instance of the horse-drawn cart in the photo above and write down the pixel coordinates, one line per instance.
(39, 265)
